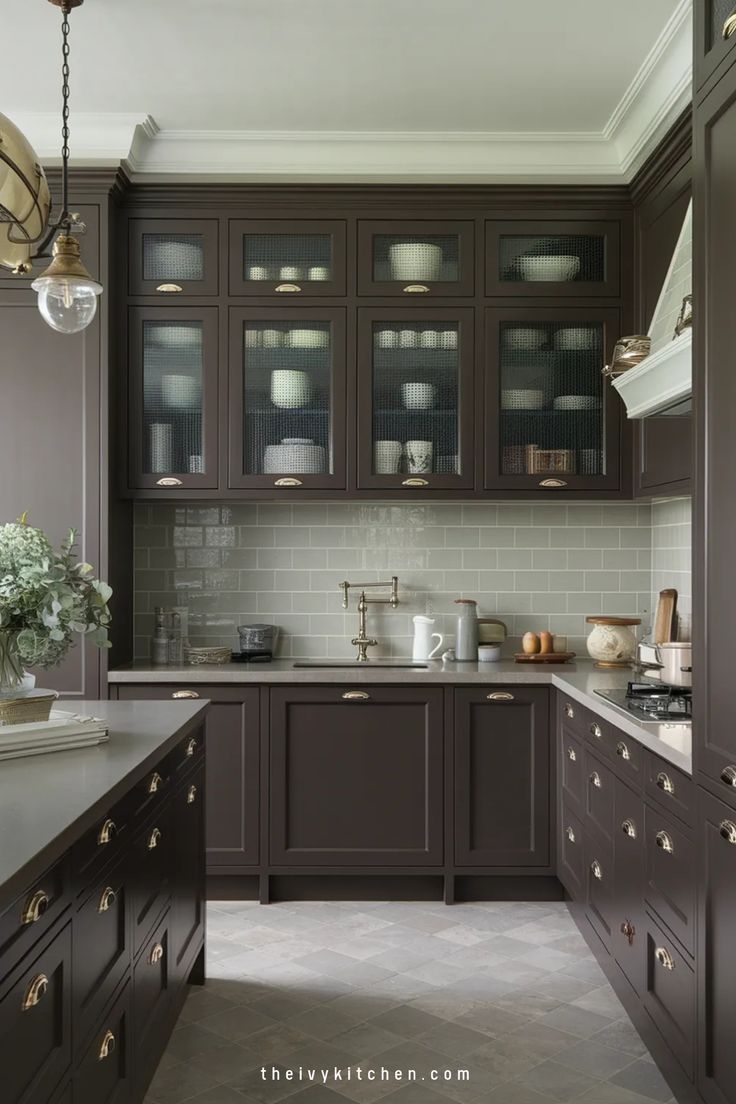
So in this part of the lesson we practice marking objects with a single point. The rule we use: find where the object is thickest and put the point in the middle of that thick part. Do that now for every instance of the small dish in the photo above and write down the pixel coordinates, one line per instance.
(549, 268)
(522, 399)
(576, 338)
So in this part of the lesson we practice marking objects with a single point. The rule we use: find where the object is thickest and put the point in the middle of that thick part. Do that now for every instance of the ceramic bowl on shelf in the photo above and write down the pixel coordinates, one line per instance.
(524, 339)
(418, 396)
(522, 399)
(318, 272)
(291, 272)
(387, 339)
(294, 456)
(181, 392)
(448, 339)
(576, 402)
(179, 258)
(555, 269)
(408, 339)
(290, 388)
(308, 338)
(429, 339)
(258, 272)
(576, 338)
(415, 260)
(272, 339)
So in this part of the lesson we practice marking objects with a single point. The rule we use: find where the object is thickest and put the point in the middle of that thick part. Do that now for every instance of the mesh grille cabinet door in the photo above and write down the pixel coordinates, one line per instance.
(415, 259)
(552, 258)
(287, 259)
(287, 398)
(173, 257)
(173, 398)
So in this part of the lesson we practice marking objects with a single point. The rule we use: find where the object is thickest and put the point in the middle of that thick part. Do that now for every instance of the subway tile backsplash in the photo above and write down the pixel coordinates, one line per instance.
(537, 566)
(672, 555)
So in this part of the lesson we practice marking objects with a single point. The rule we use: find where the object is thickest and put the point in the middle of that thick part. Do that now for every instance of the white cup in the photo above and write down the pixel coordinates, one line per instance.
(272, 339)
(448, 339)
(419, 456)
(318, 272)
(161, 437)
(290, 388)
(290, 272)
(253, 338)
(307, 338)
(386, 457)
(387, 339)
(196, 464)
(257, 272)
(407, 339)
(418, 396)
(429, 339)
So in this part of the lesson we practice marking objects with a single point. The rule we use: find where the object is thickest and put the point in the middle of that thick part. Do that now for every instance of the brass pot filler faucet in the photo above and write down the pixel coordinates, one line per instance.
(363, 641)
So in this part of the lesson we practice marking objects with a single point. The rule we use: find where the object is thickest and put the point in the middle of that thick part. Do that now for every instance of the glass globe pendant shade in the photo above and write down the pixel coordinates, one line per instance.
(67, 294)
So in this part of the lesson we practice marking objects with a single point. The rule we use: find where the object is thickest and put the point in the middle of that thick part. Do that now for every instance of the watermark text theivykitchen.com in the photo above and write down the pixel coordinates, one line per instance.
(359, 1073)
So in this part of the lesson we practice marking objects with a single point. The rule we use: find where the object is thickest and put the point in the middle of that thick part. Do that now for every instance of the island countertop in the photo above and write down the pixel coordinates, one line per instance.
(48, 801)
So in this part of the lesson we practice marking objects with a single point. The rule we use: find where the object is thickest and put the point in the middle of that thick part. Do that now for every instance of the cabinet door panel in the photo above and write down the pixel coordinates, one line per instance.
(670, 995)
(599, 797)
(104, 1074)
(502, 778)
(102, 945)
(571, 854)
(628, 929)
(152, 979)
(571, 770)
(287, 258)
(415, 259)
(356, 781)
(552, 258)
(174, 257)
(187, 905)
(670, 882)
(600, 886)
(152, 863)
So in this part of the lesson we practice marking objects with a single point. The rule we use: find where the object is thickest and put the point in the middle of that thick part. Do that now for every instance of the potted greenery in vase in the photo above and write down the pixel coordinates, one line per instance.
(47, 599)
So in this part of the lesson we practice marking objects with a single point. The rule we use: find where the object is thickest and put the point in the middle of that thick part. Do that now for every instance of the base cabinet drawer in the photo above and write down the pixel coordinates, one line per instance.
(671, 863)
(152, 858)
(187, 907)
(599, 887)
(32, 914)
(151, 1000)
(104, 1073)
(572, 770)
(102, 946)
(571, 854)
(628, 929)
(670, 788)
(35, 1023)
(669, 998)
(599, 797)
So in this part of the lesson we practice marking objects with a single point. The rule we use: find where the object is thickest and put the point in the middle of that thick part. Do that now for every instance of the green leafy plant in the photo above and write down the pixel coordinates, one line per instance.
(47, 598)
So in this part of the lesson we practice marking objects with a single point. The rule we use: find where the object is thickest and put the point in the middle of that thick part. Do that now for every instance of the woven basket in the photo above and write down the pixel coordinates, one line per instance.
(31, 707)
(198, 656)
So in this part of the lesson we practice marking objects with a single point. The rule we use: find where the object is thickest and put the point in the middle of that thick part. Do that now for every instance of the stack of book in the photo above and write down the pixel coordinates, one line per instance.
(62, 732)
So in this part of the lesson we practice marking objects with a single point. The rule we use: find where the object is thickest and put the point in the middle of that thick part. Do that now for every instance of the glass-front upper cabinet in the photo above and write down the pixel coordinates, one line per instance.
(552, 258)
(172, 430)
(552, 419)
(287, 257)
(415, 258)
(173, 257)
(715, 35)
(415, 399)
(287, 398)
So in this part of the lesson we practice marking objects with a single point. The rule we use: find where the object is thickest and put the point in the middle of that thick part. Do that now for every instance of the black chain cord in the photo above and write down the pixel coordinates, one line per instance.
(65, 221)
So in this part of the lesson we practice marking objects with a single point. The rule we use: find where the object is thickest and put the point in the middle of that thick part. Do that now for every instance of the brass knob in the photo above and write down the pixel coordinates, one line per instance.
(629, 828)
(728, 775)
(107, 899)
(570, 833)
(572, 755)
(569, 711)
(106, 832)
(287, 287)
(596, 731)
(169, 289)
(500, 695)
(191, 748)
(355, 695)
(552, 483)
(34, 907)
(288, 482)
(728, 831)
(628, 929)
(191, 795)
(35, 991)
(169, 481)
(595, 779)
(157, 953)
(416, 289)
(185, 694)
(664, 843)
(154, 783)
(623, 751)
(595, 866)
(729, 26)
(153, 839)
(665, 783)
(107, 1046)
(415, 481)
(664, 958)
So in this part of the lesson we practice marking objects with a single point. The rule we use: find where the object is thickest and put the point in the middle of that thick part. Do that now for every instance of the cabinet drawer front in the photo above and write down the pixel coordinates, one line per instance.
(599, 881)
(35, 1024)
(101, 844)
(599, 796)
(572, 769)
(151, 999)
(670, 788)
(103, 1075)
(670, 995)
(152, 859)
(670, 886)
(571, 714)
(101, 946)
(32, 914)
(628, 930)
(187, 911)
(571, 858)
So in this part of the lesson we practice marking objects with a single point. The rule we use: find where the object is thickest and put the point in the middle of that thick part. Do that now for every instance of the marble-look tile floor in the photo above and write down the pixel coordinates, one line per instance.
(507, 991)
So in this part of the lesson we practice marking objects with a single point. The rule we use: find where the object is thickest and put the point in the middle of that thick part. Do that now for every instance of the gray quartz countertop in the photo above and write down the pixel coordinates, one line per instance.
(48, 801)
(580, 680)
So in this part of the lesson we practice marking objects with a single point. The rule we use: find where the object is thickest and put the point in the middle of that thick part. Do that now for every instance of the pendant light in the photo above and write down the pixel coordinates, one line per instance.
(67, 294)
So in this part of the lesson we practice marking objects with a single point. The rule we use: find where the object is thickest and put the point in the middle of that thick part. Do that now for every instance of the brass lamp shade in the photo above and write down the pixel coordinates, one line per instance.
(25, 200)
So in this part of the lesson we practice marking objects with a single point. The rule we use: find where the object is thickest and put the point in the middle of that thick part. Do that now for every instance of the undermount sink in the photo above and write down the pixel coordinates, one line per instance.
(371, 663)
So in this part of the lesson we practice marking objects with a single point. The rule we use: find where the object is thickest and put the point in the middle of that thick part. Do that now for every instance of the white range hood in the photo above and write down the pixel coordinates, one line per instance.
(664, 378)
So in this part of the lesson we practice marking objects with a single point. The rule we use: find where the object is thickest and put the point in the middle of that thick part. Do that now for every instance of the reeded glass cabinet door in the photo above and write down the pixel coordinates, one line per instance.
(415, 258)
(173, 257)
(173, 397)
(552, 419)
(287, 398)
(715, 35)
(287, 257)
(415, 399)
(552, 258)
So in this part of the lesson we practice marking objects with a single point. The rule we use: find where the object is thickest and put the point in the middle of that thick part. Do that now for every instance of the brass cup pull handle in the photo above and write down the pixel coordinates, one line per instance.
(34, 907)
(664, 843)
(35, 992)
(155, 782)
(597, 731)
(288, 482)
(729, 27)
(169, 481)
(415, 481)
(191, 795)
(153, 839)
(728, 831)
(157, 953)
(728, 775)
(570, 833)
(628, 929)
(595, 780)
(629, 828)
(107, 899)
(107, 1046)
(500, 695)
(664, 958)
(170, 289)
(551, 483)
(597, 870)
(622, 751)
(569, 711)
(355, 695)
(664, 782)
(572, 755)
(287, 287)
(106, 832)
(416, 289)
(185, 694)
(191, 748)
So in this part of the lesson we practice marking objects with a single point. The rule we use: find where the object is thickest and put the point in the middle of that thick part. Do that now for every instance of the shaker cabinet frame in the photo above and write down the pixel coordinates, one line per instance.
(608, 231)
(418, 288)
(171, 284)
(298, 287)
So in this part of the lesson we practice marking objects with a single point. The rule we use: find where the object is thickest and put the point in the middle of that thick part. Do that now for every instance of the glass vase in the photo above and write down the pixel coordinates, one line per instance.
(12, 674)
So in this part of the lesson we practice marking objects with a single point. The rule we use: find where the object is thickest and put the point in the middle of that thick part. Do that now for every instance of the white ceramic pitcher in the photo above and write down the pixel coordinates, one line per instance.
(423, 637)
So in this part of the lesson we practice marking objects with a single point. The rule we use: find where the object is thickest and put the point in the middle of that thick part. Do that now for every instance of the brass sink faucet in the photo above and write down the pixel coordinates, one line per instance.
(362, 640)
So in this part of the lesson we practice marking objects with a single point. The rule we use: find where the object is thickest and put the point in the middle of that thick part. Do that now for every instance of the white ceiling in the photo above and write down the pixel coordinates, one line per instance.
(345, 88)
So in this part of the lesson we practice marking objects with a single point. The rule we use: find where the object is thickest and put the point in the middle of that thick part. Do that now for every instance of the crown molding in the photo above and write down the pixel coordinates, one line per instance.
(97, 138)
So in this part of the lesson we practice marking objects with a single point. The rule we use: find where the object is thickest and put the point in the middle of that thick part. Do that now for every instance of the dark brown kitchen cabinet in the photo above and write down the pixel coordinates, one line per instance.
(173, 257)
(715, 37)
(552, 258)
(173, 398)
(421, 258)
(669, 998)
(571, 853)
(153, 854)
(356, 777)
(188, 877)
(599, 797)
(670, 884)
(152, 990)
(502, 777)
(104, 1074)
(102, 944)
(571, 770)
(416, 401)
(628, 932)
(665, 453)
(716, 871)
(287, 398)
(287, 257)
(600, 894)
(551, 422)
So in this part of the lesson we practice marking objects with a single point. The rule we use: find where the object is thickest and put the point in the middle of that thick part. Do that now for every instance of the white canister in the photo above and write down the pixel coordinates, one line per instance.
(489, 653)
(408, 339)
(429, 339)
(386, 457)
(272, 339)
(387, 339)
(419, 456)
(290, 388)
(415, 260)
(418, 396)
(613, 643)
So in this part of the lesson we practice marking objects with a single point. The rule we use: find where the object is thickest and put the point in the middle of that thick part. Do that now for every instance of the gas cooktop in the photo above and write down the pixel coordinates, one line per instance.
(653, 703)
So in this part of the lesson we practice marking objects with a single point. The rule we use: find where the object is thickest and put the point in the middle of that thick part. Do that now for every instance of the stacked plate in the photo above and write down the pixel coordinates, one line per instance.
(576, 338)
(576, 402)
(522, 399)
(294, 456)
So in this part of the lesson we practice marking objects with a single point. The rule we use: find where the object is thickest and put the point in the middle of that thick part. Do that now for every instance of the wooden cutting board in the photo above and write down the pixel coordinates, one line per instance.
(665, 618)
(547, 657)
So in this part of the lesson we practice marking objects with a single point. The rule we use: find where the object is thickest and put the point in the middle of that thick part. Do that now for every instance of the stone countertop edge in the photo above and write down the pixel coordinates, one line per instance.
(580, 680)
(48, 801)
